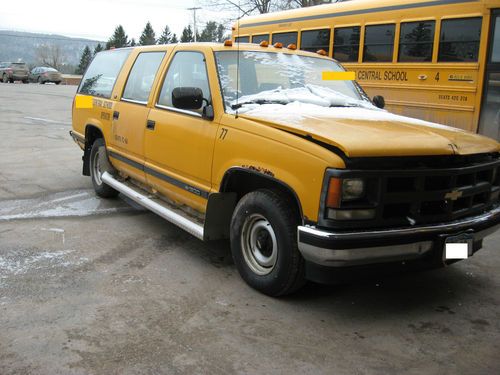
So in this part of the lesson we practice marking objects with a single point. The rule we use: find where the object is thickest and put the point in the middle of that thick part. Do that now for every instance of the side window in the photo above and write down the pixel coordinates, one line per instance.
(379, 43)
(346, 44)
(285, 38)
(459, 41)
(416, 41)
(242, 39)
(101, 75)
(495, 51)
(259, 38)
(141, 77)
(314, 40)
(187, 69)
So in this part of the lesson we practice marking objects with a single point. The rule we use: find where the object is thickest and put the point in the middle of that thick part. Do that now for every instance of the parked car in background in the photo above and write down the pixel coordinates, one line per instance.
(43, 75)
(10, 72)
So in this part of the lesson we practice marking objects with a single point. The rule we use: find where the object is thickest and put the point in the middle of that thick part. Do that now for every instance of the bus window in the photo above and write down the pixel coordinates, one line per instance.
(285, 38)
(314, 40)
(260, 38)
(416, 41)
(346, 44)
(379, 43)
(242, 39)
(459, 40)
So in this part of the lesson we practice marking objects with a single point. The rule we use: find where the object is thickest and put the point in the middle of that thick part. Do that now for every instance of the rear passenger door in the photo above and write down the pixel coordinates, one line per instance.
(130, 115)
(179, 143)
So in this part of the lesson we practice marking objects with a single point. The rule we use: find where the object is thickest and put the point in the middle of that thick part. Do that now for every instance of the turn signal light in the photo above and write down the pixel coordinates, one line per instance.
(292, 46)
(228, 43)
(264, 43)
(322, 52)
(334, 193)
(278, 45)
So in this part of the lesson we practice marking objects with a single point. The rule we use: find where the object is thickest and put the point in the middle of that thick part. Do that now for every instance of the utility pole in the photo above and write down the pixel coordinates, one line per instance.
(194, 9)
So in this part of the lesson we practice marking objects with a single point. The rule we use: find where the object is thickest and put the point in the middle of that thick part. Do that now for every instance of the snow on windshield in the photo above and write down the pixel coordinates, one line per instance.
(282, 78)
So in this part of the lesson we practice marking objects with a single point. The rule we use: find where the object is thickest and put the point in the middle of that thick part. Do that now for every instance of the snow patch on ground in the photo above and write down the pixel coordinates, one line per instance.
(13, 264)
(66, 204)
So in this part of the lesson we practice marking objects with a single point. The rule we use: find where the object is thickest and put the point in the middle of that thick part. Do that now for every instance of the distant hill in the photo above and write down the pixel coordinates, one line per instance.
(23, 46)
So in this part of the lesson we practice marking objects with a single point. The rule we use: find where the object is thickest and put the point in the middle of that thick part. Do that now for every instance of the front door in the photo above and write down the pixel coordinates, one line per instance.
(179, 144)
(489, 123)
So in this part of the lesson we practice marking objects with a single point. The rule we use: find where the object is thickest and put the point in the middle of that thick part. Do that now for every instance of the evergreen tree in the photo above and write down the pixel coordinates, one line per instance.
(148, 36)
(187, 35)
(133, 43)
(166, 36)
(98, 49)
(209, 33)
(174, 39)
(119, 39)
(84, 60)
(221, 34)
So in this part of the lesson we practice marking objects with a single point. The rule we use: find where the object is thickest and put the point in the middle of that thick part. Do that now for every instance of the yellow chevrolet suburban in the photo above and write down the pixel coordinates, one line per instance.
(307, 176)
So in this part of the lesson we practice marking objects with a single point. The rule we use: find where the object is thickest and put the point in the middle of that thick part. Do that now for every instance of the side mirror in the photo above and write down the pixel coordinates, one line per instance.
(379, 101)
(187, 98)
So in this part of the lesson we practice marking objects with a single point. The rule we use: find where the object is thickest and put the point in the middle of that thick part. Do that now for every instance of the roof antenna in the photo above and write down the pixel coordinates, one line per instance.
(236, 39)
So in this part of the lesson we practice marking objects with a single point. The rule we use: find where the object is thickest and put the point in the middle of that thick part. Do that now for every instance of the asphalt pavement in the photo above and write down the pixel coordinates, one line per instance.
(93, 286)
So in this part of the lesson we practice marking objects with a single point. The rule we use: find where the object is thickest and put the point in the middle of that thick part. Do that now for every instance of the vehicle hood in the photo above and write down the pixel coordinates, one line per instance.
(366, 132)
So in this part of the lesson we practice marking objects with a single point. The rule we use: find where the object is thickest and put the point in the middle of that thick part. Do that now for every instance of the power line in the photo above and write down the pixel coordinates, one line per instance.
(194, 9)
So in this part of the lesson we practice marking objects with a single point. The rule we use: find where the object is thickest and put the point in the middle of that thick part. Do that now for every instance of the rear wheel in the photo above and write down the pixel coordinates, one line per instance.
(5, 79)
(58, 82)
(25, 81)
(98, 165)
(264, 243)
(40, 81)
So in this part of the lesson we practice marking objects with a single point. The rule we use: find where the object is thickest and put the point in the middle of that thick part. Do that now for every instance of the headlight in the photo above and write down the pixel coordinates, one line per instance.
(352, 189)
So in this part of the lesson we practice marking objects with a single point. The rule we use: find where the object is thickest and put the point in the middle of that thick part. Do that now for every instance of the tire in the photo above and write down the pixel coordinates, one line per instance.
(264, 243)
(25, 81)
(40, 81)
(58, 82)
(96, 170)
(5, 79)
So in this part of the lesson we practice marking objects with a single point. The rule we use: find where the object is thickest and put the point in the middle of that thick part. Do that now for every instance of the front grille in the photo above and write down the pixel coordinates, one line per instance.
(424, 195)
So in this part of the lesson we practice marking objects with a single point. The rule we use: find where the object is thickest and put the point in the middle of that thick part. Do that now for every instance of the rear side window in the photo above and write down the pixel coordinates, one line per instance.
(379, 43)
(346, 44)
(459, 41)
(416, 41)
(100, 77)
(285, 38)
(242, 39)
(314, 40)
(141, 77)
(260, 38)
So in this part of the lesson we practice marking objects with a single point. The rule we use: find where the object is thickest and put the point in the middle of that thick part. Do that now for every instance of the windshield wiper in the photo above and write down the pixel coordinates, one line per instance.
(258, 101)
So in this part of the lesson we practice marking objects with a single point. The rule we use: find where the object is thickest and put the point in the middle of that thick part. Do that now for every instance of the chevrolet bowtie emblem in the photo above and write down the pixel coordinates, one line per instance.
(453, 195)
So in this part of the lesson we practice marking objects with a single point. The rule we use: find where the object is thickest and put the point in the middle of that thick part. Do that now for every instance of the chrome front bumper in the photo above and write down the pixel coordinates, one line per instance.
(340, 249)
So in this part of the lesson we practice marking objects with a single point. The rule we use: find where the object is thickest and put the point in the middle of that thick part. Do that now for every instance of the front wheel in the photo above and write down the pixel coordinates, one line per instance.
(98, 162)
(264, 243)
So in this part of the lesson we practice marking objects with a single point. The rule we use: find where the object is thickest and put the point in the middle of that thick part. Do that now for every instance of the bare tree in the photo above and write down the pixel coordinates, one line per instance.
(246, 7)
(50, 55)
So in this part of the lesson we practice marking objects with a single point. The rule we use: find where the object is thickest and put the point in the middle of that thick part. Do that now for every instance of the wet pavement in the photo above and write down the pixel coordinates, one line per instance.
(93, 286)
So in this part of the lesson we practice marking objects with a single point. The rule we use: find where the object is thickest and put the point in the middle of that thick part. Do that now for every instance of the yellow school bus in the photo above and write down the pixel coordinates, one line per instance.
(437, 60)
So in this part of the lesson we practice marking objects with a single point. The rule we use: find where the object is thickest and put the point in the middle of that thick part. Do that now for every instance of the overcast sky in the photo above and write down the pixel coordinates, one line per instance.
(98, 18)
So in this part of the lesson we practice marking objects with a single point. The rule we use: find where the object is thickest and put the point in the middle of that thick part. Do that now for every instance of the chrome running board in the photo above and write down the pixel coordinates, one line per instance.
(154, 204)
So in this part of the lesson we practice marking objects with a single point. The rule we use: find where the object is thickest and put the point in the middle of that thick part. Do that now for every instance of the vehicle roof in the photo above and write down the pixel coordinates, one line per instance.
(220, 47)
(348, 6)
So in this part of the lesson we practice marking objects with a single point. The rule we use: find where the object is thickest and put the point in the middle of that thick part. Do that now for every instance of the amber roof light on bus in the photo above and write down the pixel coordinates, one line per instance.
(292, 46)
(322, 52)
(264, 43)
(228, 43)
(278, 45)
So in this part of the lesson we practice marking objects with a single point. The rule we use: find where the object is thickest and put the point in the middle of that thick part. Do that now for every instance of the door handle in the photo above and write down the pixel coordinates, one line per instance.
(150, 124)
(116, 114)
